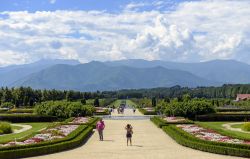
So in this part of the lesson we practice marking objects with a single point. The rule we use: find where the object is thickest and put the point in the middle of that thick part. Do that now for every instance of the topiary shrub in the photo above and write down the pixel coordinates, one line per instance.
(5, 128)
(246, 126)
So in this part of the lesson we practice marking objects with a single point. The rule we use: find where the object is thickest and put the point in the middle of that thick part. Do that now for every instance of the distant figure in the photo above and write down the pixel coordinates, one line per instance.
(100, 127)
(134, 110)
(129, 133)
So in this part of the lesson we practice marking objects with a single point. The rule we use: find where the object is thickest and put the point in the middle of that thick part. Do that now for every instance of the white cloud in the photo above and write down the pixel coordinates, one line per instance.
(52, 1)
(194, 31)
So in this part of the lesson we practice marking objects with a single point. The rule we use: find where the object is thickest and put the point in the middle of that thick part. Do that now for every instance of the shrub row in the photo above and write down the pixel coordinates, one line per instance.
(145, 112)
(73, 140)
(22, 118)
(223, 117)
(5, 128)
(189, 140)
(231, 109)
(159, 122)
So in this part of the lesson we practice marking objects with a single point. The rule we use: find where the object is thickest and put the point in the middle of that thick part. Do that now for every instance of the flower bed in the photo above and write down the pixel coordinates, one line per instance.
(147, 111)
(80, 120)
(50, 134)
(208, 134)
(174, 119)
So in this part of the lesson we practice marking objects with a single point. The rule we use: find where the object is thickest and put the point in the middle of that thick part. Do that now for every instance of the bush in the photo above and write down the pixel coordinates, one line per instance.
(189, 140)
(22, 118)
(5, 128)
(246, 126)
(7, 105)
(64, 109)
(145, 112)
(75, 139)
(223, 117)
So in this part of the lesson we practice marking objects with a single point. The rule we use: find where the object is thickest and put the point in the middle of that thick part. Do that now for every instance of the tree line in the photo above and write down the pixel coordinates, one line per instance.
(26, 96)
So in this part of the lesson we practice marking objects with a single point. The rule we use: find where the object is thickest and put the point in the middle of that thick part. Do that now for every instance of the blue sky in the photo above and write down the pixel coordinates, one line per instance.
(52, 5)
(86, 30)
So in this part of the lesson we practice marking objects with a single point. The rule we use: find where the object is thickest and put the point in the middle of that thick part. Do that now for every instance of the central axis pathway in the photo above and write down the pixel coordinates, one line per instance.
(149, 142)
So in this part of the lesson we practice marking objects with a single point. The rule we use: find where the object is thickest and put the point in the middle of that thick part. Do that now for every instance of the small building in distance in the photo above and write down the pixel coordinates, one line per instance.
(241, 97)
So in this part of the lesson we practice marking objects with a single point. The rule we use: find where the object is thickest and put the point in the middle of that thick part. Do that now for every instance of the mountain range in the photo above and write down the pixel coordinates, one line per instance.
(123, 74)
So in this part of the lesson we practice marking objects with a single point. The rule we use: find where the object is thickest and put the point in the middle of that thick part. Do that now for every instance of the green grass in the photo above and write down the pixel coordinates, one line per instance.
(35, 128)
(217, 126)
(16, 127)
(131, 103)
(118, 102)
(237, 126)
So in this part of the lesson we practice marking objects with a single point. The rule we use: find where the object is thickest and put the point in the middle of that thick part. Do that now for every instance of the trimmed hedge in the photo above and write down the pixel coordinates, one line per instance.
(75, 139)
(145, 112)
(189, 140)
(231, 109)
(159, 122)
(21, 111)
(223, 117)
(22, 118)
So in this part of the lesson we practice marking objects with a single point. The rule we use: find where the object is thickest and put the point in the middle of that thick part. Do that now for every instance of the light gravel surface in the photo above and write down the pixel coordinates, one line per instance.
(149, 142)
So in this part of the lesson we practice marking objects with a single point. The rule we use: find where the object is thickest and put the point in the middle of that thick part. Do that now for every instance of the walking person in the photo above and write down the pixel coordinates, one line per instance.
(129, 133)
(100, 127)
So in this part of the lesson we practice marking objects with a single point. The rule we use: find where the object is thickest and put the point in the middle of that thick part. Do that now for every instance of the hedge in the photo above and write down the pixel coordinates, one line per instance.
(73, 140)
(189, 140)
(159, 122)
(22, 118)
(223, 117)
(145, 112)
(231, 109)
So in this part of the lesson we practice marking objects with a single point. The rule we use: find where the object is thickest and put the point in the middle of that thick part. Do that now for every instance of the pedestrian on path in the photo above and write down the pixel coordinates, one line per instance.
(129, 133)
(100, 127)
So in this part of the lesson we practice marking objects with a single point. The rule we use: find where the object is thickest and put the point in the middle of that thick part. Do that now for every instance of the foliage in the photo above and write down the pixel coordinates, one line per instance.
(186, 108)
(73, 140)
(145, 112)
(26, 96)
(7, 105)
(96, 102)
(223, 117)
(217, 126)
(19, 118)
(189, 140)
(246, 126)
(64, 109)
(5, 128)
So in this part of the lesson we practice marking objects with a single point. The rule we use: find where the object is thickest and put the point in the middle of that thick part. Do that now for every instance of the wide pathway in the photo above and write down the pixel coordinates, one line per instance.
(149, 142)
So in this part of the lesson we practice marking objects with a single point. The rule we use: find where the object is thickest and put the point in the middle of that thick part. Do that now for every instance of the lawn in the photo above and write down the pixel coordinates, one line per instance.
(16, 127)
(217, 126)
(35, 127)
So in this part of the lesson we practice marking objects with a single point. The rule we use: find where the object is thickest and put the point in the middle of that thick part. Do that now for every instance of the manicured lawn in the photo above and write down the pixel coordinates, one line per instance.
(237, 126)
(35, 127)
(16, 127)
(131, 103)
(217, 126)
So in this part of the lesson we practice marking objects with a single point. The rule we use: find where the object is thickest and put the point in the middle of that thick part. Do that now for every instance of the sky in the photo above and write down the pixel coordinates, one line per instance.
(106, 30)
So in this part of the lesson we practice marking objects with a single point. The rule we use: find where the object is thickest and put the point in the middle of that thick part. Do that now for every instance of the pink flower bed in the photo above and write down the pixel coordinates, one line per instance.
(46, 135)
(174, 119)
(100, 110)
(80, 120)
(210, 135)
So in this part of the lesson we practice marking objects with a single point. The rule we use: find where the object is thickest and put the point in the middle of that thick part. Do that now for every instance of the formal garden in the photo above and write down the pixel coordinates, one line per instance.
(35, 122)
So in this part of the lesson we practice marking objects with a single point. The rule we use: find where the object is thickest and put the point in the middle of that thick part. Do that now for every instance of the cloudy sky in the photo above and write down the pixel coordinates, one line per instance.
(170, 30)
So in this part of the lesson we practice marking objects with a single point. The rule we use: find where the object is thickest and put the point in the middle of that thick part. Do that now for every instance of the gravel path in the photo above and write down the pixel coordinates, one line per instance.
(229, 127)
(149, 142)
(24, 128)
